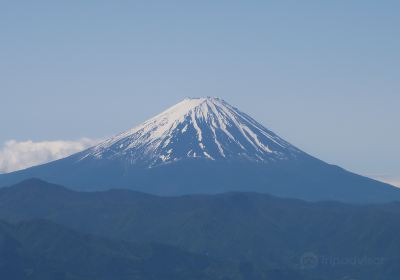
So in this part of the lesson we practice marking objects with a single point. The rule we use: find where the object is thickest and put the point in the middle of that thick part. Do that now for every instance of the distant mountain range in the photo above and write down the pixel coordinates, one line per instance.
(253, 236)
(205, 145)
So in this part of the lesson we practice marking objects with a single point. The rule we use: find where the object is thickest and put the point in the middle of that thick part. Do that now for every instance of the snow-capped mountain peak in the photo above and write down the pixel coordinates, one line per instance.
(204, 128)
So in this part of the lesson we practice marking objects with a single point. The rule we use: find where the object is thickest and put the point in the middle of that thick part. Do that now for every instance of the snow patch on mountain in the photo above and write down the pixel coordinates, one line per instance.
(207, 128)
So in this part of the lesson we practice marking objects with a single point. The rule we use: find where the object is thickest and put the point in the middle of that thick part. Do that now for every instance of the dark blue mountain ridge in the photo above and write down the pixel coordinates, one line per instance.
(205, 145)
(266, 234)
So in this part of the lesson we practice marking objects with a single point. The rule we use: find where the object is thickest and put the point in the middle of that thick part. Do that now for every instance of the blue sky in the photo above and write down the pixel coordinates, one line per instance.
(323, 74)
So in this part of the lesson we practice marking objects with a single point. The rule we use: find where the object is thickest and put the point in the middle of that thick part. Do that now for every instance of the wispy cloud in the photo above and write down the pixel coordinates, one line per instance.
(16, 155)
(395, 181)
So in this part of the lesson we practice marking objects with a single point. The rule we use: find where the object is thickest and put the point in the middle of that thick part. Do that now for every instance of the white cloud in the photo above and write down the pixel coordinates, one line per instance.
(16, 155)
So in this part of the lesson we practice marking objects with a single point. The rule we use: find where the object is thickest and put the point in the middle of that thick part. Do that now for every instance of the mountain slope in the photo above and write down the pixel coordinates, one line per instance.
(272, 233)
(205, 145)
(202, 128)
(42, 250)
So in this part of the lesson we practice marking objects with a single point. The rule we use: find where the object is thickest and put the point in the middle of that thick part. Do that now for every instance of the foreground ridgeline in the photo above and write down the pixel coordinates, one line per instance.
(113, 235)
(205, 145)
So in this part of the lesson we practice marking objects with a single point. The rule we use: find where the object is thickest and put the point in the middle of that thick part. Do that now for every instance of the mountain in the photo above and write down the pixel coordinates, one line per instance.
(42, 250)
(205, 145)
(199, 128)
(281, 238)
